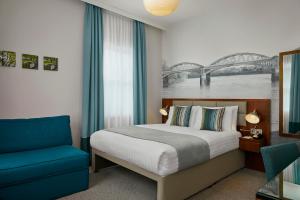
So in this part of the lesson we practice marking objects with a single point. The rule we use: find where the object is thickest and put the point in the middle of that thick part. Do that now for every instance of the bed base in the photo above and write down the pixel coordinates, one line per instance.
(182, 184)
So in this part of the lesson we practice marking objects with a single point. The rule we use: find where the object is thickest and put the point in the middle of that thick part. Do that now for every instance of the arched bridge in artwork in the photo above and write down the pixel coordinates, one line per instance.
(255, 63)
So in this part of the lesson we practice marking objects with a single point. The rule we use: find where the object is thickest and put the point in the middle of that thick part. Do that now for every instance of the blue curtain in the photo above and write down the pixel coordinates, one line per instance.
(93, 101)
(294, 115)
(139, 74)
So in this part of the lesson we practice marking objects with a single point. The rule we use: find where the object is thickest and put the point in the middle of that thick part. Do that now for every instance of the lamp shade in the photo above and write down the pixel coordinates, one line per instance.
(163, 111)
(161, 7)
(252, 117)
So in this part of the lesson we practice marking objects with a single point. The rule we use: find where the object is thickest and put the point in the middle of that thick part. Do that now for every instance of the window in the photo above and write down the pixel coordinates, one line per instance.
(117, 70)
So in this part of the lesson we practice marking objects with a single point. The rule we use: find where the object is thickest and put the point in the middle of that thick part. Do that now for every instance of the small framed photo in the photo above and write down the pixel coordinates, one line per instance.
(7, 59)
(30, 61)
(50, 63)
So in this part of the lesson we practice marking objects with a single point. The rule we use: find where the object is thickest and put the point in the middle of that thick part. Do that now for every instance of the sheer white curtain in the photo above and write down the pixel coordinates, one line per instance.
(117, 70)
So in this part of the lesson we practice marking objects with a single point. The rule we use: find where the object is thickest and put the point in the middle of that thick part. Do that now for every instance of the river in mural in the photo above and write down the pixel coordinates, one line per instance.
(230, 77)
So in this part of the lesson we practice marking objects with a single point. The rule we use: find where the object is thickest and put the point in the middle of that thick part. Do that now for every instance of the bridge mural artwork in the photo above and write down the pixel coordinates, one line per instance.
(240, 75)
(247, 63)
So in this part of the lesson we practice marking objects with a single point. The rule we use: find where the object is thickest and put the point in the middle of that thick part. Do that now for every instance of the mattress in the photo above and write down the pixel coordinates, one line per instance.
(157, 157)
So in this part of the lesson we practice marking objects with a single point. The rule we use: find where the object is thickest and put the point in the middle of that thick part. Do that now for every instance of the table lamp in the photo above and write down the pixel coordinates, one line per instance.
(253, 118)
(164, 111)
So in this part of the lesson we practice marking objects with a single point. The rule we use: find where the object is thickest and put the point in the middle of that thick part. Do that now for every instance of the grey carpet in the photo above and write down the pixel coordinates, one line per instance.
(117, 183)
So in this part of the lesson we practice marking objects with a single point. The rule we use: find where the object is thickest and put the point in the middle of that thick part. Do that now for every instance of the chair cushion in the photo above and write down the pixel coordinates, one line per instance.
(36, 133)
(26, 166)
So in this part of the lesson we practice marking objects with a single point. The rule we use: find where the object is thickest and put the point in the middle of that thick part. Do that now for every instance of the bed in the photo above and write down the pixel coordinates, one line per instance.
(160, 162)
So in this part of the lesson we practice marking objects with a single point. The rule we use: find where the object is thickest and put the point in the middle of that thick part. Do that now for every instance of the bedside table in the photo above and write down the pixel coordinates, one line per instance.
(251, 147)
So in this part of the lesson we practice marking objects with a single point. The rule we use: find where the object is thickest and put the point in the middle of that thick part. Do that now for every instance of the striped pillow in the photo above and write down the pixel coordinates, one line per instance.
(212, 119)
(181, 115)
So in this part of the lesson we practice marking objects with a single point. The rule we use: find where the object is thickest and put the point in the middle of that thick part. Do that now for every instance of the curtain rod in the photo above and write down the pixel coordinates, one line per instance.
(103, 5)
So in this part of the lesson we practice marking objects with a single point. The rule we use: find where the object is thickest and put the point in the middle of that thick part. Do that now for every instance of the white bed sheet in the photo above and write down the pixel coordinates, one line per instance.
(156, 157)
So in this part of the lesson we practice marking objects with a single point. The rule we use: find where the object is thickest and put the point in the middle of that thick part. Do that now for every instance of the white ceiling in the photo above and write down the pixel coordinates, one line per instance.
(135, 9)
(189, 8)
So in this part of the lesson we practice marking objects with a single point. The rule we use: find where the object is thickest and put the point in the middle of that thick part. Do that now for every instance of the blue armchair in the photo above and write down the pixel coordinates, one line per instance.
(37, 160)
(277, 157)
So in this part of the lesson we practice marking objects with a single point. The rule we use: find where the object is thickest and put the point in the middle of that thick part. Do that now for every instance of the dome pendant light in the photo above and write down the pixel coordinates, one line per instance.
(161, 7)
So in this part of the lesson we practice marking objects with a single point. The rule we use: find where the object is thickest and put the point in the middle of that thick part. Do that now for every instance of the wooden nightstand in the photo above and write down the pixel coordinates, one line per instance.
(253, 159)
(251, 145)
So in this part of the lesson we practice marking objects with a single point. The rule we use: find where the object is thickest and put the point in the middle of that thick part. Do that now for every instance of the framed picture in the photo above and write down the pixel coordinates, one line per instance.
(30, 61)
(50, 63)
(7, 58)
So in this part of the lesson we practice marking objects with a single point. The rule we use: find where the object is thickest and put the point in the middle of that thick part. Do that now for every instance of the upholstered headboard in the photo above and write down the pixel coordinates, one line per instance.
(262, 106)
(241, 104)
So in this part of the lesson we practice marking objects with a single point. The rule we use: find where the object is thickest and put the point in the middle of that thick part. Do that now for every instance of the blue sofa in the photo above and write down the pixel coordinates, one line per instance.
(37, 160)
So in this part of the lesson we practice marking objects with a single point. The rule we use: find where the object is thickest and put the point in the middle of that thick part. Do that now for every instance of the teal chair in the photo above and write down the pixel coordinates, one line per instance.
(38, 161)
(277, 157)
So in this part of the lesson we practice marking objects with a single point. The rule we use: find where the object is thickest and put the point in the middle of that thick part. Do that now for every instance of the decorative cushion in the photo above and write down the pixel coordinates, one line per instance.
(228, 121)
(212, 119)
(181, 115)
(27, 166)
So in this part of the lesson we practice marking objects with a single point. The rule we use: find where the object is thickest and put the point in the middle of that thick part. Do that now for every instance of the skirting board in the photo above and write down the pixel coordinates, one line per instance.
(184, 183)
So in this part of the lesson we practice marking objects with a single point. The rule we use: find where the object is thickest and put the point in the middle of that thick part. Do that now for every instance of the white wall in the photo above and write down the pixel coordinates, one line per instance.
(154, 62)
(225, 27)
(43, 28)
(55, 28)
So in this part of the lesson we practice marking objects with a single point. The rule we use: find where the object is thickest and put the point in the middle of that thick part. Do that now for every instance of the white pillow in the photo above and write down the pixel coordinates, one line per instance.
(170, 115)
(234, 117)
(195, 117)
(227, 119)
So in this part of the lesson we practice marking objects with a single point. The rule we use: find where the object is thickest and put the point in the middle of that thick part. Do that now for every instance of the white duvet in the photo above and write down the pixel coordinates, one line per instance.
(156, 157)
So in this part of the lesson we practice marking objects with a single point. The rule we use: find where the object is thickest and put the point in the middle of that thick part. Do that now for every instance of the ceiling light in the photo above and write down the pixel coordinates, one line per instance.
(161, 7)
